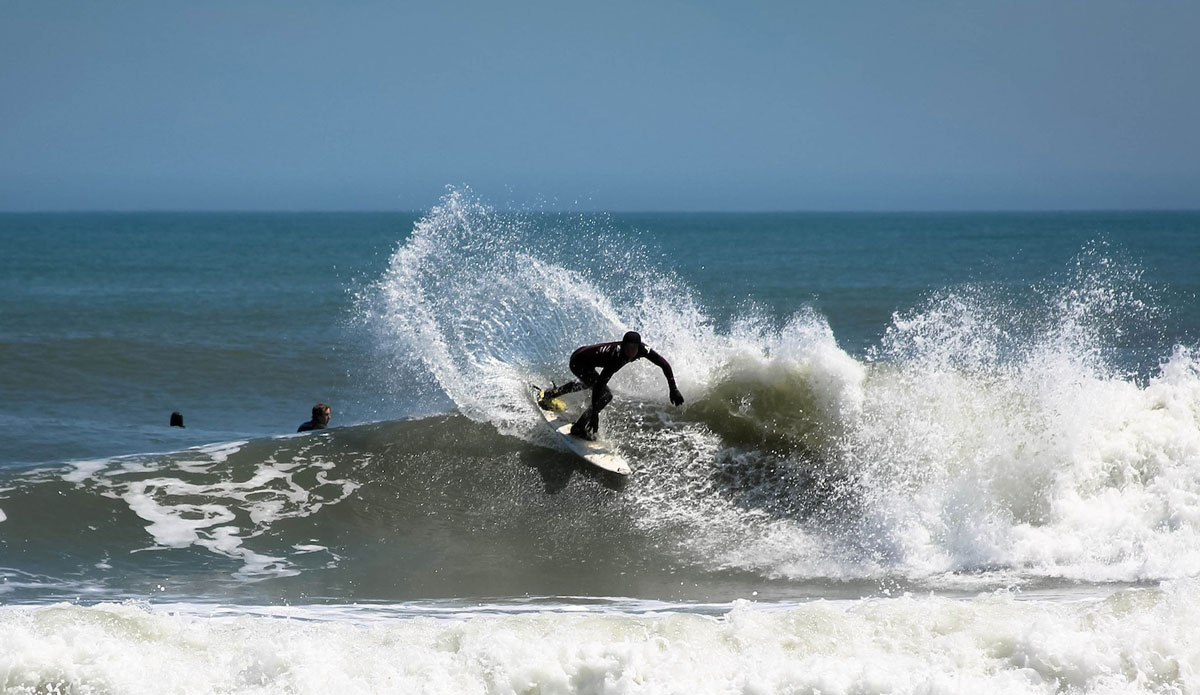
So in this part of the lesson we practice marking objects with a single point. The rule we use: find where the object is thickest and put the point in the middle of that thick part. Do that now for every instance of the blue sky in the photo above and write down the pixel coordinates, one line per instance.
(849, 105)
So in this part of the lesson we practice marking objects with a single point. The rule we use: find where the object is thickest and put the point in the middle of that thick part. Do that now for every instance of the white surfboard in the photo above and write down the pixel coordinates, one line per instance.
(596, 453)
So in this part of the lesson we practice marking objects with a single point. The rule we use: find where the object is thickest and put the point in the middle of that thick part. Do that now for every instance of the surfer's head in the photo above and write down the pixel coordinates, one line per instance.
(631, 344)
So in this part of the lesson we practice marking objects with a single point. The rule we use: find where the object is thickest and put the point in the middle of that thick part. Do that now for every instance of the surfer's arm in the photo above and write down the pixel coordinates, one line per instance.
(665, 366)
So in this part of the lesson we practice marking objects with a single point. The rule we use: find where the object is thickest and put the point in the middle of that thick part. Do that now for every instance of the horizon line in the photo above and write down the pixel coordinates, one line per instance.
(599, 211)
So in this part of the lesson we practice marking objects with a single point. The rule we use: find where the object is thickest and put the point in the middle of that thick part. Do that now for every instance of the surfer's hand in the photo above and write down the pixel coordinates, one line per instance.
(676, 397)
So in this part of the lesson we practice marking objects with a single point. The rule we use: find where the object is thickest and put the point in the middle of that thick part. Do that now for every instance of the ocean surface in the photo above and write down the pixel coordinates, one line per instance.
(921, 453)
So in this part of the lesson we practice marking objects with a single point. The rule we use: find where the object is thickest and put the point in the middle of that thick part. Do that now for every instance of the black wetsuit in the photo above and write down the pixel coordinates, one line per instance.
(310, 426)
(594, 365)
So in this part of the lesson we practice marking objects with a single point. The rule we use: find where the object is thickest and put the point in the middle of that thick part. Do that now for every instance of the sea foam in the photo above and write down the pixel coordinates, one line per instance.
(1133, 641)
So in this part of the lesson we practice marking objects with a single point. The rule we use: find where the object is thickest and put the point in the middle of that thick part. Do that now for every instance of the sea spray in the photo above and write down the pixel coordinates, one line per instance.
(467, 299)
(982, 421)
(995, 436)
(489, 302)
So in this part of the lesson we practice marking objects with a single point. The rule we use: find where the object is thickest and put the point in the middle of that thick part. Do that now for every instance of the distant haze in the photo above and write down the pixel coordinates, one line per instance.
(661, 105)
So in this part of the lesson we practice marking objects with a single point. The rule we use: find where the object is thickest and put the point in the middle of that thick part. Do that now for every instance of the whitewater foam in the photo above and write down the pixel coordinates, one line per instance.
(193, 498)
(1134, 641)
(1040, 459)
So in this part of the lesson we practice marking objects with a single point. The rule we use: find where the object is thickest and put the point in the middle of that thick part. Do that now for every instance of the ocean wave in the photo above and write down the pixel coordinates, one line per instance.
(982, 442)
(1133, 641)
(928, 480)
(983, 433)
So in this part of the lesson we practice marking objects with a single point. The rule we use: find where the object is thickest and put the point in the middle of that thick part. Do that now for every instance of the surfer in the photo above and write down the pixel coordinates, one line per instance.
(320, 418)
(594, 365)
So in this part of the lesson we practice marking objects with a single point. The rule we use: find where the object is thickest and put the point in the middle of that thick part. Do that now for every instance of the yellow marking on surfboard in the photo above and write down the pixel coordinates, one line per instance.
(554, 404)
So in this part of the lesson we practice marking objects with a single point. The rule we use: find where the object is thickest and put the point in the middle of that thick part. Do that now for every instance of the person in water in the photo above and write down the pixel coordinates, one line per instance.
(594, 365)
(320, 418)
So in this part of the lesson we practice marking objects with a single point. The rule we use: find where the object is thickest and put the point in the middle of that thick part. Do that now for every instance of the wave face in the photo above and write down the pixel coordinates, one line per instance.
(991, 437)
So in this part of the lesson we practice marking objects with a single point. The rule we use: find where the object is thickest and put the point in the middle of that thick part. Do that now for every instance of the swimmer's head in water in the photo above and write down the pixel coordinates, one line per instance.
(321, 413)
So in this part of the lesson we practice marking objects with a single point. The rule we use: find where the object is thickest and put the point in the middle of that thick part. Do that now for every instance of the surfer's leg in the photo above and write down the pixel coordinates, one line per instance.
(603, 399)
(589, 423)
(582, 428)
(564, 389)
(584, 378)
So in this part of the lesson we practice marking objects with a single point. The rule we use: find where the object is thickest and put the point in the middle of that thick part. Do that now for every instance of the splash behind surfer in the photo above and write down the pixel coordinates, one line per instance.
(594, 365)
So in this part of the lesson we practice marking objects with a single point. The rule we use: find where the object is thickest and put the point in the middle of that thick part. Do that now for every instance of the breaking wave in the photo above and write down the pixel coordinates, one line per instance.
(991, 437)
